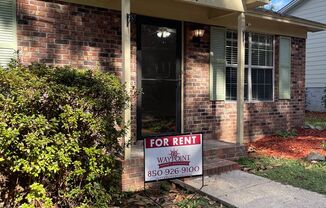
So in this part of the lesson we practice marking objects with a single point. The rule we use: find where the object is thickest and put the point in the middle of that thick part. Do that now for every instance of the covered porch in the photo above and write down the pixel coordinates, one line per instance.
(237, 15)
(216, 154)
(218, 12)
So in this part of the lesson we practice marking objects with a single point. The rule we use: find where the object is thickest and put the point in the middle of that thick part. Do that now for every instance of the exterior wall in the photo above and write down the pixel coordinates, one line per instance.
(316, 62)
(314, 97)
(218, 119)
(316, 51)
(58, 33)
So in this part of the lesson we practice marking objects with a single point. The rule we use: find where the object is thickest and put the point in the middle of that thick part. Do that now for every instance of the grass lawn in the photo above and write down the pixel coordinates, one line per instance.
(315, 119)
(297, 173)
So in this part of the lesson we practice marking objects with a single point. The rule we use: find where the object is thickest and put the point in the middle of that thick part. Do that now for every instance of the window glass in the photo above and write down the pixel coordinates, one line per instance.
(158, 54)
(262, 87)
(262, 50)
(260, 66)
(159, 81)
(247, 49)
(231, 83)
(232, 48)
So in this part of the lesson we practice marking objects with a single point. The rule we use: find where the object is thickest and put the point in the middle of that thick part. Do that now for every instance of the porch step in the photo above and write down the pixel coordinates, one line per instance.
(218, 166)
(215, 149)
(219, 157)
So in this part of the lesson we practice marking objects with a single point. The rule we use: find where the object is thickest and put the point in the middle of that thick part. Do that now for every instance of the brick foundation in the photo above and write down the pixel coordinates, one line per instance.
(133, 174)
(61, 33)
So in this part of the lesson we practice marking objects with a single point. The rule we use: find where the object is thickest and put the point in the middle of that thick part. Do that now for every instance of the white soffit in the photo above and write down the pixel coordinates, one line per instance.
(232, 5)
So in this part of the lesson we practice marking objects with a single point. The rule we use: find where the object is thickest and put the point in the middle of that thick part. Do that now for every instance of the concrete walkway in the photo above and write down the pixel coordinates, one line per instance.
(246, 190)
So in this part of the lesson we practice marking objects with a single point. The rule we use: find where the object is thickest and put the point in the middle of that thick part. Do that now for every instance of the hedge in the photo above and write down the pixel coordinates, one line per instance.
(59, 130)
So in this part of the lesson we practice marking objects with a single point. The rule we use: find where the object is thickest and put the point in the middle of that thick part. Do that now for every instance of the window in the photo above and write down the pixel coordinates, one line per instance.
(231, 83)
(259, 66)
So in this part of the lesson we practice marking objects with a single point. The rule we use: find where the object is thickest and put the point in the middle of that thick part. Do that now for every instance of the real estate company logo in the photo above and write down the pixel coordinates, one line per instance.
(173, 159)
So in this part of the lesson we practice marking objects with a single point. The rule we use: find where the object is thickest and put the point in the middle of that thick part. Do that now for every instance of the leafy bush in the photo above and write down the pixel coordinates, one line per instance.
(59, 130)
(287, 134)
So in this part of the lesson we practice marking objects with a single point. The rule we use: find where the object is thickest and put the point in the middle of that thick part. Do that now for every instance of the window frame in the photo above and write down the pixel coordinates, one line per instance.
(249, 66)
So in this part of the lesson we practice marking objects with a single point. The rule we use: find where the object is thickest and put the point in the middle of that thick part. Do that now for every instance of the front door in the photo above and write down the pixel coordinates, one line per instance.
(158, 76)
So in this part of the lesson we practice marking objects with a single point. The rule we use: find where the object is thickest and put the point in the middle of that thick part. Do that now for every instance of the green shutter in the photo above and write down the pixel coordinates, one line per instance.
(285, 68)
(217, 63)
(8, 35)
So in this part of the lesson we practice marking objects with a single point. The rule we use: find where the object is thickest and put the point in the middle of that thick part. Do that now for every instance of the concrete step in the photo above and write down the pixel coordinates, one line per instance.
(217, 166)
(223, 151)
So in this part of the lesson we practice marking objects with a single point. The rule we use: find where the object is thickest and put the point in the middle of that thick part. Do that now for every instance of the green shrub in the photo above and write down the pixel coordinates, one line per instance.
(59, 130)
(287, 134)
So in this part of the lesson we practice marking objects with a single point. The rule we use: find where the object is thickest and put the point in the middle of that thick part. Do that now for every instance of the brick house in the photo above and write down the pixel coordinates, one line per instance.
(220, 67)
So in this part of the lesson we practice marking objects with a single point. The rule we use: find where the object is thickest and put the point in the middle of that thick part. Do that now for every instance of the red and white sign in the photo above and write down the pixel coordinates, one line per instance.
(170, 157)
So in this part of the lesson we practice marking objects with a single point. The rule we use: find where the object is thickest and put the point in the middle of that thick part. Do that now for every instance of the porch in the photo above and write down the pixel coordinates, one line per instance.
(218, 157)
(218, 12)
(201, 60)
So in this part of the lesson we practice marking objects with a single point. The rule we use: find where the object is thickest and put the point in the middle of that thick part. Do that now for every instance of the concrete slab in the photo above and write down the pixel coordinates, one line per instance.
(246, 190)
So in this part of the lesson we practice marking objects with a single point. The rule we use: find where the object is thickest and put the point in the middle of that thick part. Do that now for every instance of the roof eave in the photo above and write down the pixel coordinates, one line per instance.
(310, 25)
(256, 3)
(290, 6)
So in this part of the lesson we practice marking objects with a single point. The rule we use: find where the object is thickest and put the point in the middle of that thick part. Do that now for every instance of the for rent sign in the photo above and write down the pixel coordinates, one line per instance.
(170, 157)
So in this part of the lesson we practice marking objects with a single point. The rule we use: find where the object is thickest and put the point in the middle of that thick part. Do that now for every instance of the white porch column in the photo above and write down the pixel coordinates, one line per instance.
(126, 72)
(240, 77)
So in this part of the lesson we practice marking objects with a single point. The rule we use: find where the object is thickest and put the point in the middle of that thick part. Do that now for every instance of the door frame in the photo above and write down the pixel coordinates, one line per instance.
(160, 23)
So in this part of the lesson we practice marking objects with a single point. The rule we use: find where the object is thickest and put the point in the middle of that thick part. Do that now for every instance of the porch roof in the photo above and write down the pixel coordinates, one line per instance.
(311, 26)
(222, 13)
(232, 5)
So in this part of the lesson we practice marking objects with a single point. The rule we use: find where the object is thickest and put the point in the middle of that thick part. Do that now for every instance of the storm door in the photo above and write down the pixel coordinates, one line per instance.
(158, 76)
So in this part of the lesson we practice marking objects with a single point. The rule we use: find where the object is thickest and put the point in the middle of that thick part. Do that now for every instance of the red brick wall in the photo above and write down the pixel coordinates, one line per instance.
(218, 118)
(59, 33)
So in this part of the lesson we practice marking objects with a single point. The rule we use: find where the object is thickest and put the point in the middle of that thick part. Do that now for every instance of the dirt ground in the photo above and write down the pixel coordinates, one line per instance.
(167, 195)
(297, 147)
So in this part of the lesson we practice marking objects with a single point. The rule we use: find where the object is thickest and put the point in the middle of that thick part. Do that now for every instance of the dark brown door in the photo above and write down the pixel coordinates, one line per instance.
(158, 76)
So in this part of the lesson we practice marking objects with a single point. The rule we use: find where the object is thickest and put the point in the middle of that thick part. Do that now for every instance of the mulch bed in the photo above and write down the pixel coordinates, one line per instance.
(298, 147)
(167, 196)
